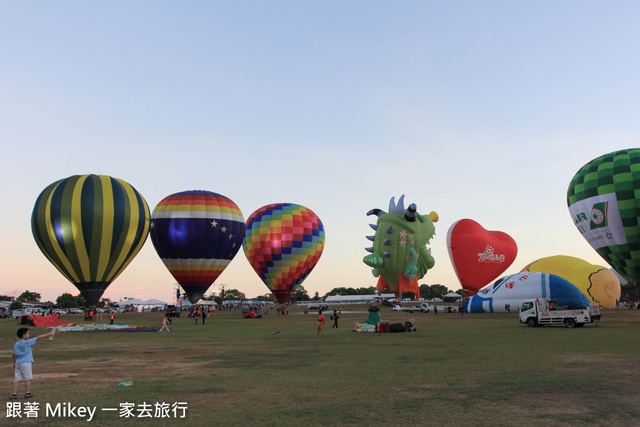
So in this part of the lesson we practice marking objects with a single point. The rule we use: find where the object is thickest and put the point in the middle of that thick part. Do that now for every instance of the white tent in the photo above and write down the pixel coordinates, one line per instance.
(153, 301)
(206, 302)
(337, 299)
(452, 296)
(187, 303)
(133, 301)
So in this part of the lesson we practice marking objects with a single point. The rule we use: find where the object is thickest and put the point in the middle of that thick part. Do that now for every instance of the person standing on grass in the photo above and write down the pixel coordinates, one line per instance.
(164, 325)
(23, 359)
(335, 319)
(204, 315)
(112, 317)
(320, 323)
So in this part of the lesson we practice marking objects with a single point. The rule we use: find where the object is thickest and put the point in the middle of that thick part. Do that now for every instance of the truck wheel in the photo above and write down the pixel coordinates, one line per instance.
(531, 322)
(570, 323)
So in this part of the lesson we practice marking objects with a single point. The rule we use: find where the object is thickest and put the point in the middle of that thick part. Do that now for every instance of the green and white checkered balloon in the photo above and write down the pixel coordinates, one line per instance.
(604, 202)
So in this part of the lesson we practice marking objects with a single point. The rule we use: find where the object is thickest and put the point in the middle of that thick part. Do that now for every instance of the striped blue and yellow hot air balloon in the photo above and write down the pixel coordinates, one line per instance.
(90, 227)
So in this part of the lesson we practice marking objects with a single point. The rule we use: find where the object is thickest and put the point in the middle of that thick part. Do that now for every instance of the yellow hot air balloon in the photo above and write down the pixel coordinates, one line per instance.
(598, 283)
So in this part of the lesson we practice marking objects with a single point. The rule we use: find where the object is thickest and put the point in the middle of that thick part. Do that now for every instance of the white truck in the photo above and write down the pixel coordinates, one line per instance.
(423, 307)
(27, 311)
(542, 311)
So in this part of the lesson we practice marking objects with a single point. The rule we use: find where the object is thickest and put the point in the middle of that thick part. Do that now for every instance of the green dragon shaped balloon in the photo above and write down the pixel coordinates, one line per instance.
(399, 255)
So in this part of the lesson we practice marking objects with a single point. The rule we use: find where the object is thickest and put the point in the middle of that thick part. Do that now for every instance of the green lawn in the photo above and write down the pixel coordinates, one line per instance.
(487, 369)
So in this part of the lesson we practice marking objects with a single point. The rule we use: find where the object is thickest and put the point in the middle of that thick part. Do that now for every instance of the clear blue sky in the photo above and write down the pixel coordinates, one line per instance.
(474, 109)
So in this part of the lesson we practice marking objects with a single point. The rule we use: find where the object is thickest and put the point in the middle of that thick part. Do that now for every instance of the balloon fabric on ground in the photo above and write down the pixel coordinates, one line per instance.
(603, 202)
(283, 242)
(196, 234)
(598, 283)
(478, 256)
(399, 255)
(520, 287)
(90, 227)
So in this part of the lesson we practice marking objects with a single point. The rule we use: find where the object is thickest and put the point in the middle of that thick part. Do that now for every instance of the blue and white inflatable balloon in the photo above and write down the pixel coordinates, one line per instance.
(517, 288)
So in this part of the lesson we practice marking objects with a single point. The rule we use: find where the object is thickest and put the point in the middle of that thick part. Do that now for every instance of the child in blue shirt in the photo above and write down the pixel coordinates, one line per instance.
(22, 360)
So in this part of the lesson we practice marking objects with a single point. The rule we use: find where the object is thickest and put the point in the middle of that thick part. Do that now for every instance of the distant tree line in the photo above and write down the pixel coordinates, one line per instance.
(18, 303)
(233, 294)
(426, 291)
(65, 300)
(350, 291)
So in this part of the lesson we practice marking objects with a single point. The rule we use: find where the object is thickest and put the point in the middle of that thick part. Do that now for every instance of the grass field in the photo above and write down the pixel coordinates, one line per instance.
(487, 369)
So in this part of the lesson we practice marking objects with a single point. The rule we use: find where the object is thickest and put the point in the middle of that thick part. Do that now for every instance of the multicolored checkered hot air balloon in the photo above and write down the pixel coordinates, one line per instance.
(605, 207)
(90, 227)
(283, 242)
(196, 234)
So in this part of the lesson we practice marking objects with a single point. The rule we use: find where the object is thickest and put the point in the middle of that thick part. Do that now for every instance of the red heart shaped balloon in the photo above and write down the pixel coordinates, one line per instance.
(478, 255)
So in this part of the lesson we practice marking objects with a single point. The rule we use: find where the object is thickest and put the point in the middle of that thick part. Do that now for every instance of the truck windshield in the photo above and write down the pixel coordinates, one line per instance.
(527, 306)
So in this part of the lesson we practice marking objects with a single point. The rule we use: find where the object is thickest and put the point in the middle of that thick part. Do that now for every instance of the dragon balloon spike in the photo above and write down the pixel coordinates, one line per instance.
(399, 255)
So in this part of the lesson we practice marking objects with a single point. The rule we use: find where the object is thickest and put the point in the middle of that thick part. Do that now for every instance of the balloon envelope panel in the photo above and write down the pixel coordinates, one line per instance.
(196, 234)
(520, 287)
(598, 283)
(604, 207)
(90, 227)
(283, 242)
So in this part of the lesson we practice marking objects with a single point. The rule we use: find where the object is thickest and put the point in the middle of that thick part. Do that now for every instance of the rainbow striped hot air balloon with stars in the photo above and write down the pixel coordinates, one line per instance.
(283, 242)
(90, 227)
(196, 234)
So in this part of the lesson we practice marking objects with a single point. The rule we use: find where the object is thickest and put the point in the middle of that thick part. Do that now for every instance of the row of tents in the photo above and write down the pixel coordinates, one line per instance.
(157, 302)
(135, 301)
